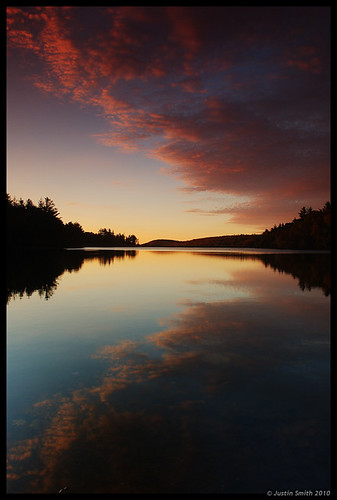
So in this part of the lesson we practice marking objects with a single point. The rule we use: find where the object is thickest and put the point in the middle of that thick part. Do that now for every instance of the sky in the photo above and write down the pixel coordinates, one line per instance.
(170, 122)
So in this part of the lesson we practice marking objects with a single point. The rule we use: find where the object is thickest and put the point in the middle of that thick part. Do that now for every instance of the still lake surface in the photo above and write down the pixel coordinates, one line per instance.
(168, 371)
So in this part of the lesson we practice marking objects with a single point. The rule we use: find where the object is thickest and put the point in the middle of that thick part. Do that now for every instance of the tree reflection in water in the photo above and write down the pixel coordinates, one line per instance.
(39, 270)
(229, 396)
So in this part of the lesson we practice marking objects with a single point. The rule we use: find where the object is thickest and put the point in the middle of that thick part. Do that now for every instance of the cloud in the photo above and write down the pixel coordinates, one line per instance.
(234, 100)
(304, 58)
(253, 212)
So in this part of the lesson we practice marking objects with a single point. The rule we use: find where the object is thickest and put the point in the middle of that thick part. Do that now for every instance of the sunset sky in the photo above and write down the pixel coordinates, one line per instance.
(170, 122)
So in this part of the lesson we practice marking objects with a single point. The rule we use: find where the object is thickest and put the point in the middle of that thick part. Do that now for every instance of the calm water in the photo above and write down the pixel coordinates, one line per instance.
(184, 371)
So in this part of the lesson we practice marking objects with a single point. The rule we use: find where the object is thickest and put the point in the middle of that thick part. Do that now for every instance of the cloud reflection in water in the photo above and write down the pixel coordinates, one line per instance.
(229, 397)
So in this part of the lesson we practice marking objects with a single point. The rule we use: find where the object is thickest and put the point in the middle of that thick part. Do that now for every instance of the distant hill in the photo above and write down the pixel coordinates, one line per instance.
(163, 243)
(212, 241)
(311, 231)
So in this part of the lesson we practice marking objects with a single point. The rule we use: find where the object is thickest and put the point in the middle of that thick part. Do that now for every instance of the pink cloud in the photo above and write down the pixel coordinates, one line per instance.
(304, 58)
(209, 91)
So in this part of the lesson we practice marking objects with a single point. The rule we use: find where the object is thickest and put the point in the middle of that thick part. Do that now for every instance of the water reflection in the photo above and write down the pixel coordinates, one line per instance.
(226, 400)
(225, 396)
(39, 271)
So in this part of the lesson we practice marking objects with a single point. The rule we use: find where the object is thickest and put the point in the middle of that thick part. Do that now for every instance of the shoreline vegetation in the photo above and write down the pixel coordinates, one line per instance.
(310, 231)
(40, 226)
(31, 226)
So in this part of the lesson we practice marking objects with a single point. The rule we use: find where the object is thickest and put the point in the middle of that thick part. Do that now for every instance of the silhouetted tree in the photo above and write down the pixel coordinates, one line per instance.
(73, 234)
(131, 240)
(48, 206)
(310, 232)
(31, 226)
(304, 212)
(41, 226)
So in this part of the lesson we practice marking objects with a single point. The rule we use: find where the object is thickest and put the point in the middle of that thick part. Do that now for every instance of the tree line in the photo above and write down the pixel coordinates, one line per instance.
(30, 225)
(310, 231)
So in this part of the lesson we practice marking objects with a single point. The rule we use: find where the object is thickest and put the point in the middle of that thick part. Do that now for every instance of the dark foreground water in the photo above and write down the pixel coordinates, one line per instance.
(184, 371)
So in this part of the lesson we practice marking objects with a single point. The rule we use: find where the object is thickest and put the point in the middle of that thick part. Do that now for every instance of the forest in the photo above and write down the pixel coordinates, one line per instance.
(310, 231)
(40, 226)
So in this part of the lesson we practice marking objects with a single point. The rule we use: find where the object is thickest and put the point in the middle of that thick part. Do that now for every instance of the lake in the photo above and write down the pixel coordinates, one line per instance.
(168, 371)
